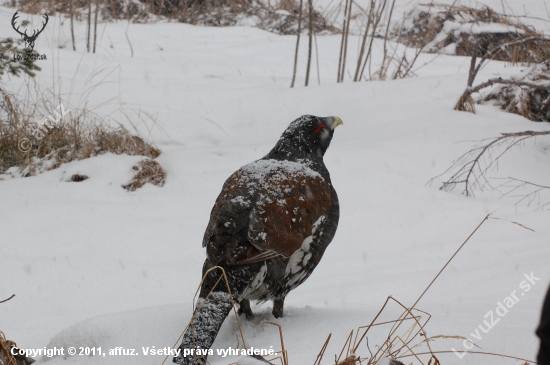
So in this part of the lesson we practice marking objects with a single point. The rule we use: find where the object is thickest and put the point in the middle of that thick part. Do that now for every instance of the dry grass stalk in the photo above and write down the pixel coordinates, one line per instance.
(350, 360)
(377, 11)
(390, 347)
(344, 42)
(466, 103)
(6, 357)
(32, 143)
(383, 68)
(373, 18)
(147, 171)
(96, 16)
(322, 352)
(310, 38)
(400, 346)
(71, 14)
(5, 354)
(89, 27)
(297, 44)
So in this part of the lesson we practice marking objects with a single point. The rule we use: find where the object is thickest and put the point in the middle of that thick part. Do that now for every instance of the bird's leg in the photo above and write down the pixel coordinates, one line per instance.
(278, 306)
(244, 307)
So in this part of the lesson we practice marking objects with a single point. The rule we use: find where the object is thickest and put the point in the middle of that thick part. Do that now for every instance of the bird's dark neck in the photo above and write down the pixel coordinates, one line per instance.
(285, 150)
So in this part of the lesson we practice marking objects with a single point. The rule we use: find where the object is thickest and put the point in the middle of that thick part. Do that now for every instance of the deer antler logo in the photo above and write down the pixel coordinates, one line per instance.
(29, 40)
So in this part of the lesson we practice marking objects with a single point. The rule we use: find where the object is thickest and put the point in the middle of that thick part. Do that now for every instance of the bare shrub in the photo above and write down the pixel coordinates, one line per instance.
(396, 62)
(470, 171)
(147, 171)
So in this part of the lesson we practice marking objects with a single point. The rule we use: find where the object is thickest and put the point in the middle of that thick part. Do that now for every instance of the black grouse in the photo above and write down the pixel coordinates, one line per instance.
(268, 229)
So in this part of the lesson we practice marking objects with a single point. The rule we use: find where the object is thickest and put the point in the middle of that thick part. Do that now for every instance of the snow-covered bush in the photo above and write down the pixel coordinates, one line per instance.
(466, 31)
(529, 102)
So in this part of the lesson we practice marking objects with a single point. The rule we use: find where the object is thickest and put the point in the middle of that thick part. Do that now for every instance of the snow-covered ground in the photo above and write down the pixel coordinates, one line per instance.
(94, 265)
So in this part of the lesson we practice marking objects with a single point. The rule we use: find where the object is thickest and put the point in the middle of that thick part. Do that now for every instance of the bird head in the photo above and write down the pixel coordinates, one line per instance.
(306, 136)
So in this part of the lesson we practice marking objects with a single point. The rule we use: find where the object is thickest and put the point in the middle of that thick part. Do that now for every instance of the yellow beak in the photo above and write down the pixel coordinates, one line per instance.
(337, 122)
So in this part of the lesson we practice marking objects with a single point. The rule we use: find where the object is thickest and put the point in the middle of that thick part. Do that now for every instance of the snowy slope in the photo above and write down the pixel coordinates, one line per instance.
(92, 264)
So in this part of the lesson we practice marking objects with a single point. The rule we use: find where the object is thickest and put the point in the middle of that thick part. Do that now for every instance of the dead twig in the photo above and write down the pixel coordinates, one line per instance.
(515, 184)
(310, 44)
(297, 45)
(322, 352)
(471, 168)
(5, 300)
(72, 23)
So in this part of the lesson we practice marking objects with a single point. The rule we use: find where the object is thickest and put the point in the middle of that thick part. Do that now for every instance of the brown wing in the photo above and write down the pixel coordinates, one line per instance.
(284, 213)
(265, 210)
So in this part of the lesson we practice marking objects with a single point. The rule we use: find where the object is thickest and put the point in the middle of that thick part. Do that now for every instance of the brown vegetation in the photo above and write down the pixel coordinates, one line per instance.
(466, 31)
(282, 17)
(33, 145)
(530, 100)
(405, 338)
(528, 96)
(78, 178)
(147, 171)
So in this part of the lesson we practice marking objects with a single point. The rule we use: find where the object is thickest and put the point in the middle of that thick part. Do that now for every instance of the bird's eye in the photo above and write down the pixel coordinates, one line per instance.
(320, 128)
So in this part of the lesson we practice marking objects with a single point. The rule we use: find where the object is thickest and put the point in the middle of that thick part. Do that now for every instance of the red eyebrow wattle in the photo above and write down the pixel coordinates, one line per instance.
(321, 127)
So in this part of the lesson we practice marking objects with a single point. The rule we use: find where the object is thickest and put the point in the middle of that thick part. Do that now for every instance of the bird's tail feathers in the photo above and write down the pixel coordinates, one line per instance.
(201, 333)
